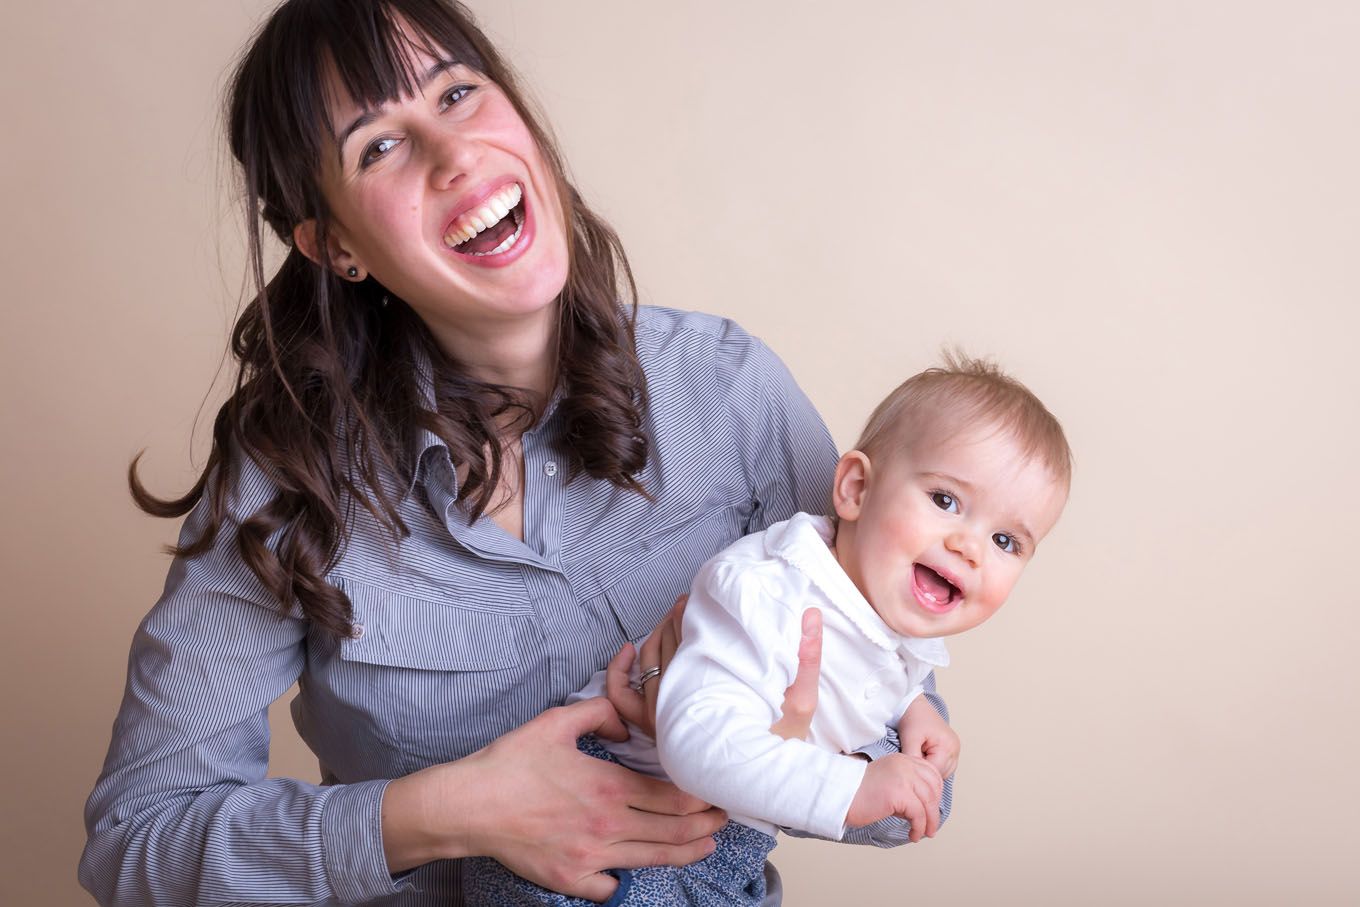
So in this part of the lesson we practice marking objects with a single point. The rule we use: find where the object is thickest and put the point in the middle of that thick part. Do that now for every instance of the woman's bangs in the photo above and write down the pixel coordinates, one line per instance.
(374, 51)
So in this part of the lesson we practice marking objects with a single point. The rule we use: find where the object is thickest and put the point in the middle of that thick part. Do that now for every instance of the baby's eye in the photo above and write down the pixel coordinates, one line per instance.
(1006, 543)
(377, 150)
(945, 501)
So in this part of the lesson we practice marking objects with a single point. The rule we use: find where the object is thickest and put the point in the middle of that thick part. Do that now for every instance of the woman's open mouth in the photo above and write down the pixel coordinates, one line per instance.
(933, 591)
(492, 228)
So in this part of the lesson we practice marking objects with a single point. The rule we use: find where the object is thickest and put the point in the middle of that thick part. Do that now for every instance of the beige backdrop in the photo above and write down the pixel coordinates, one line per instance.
(1149, 211)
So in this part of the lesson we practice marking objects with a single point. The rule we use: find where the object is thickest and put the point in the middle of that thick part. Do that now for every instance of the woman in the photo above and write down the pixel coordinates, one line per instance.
(457, 474)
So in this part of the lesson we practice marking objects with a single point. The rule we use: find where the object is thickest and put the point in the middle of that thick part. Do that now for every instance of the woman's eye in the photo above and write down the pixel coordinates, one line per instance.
(454, 95)
(377, 150)
(945, 501)
(1006, 542)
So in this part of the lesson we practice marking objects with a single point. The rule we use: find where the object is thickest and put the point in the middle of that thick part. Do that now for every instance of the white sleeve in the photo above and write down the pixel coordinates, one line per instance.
(723, 690)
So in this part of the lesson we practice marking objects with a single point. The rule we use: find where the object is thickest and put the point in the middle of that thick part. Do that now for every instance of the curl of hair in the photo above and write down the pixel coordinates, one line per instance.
(329, 394)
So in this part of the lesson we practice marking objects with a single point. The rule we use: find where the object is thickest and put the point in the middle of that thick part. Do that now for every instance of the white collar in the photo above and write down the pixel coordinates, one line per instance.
(804, 543)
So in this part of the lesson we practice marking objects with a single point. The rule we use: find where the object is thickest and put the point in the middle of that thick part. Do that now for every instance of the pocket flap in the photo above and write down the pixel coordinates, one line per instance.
(402, 631)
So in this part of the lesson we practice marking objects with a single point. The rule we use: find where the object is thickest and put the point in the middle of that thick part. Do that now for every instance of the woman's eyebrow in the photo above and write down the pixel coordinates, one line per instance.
(370, 114)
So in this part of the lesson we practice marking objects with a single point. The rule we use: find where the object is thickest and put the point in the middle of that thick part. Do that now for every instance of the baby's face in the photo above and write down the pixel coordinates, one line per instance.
(935, 537)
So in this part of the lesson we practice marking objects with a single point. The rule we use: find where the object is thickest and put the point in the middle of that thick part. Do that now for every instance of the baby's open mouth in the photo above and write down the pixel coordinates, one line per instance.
(933, 587)
(491, 228)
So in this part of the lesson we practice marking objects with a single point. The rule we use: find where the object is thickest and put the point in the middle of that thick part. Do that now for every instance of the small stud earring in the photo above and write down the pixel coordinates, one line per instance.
(353, 272)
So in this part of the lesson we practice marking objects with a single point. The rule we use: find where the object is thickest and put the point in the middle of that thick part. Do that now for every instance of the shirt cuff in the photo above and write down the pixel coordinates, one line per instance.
(832, 803)
(352, 844)
(890, 743)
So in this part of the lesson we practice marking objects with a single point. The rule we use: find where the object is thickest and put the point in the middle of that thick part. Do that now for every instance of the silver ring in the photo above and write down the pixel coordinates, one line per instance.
(647, 675)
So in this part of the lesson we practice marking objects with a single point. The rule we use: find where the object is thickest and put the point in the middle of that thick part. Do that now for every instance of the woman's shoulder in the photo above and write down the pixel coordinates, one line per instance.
(723, 346)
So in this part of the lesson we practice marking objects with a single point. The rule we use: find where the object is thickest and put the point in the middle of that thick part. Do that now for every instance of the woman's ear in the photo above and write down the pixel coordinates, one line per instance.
(306, 236)
(850, 485)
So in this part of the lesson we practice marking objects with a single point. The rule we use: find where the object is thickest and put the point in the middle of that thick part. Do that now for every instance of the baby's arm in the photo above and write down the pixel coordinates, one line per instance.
(924, 732)
(890, 831)
(724, 690)
(721, 694)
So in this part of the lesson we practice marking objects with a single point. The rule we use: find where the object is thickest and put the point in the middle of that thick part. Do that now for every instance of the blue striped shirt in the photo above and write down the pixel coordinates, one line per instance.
(462, 633)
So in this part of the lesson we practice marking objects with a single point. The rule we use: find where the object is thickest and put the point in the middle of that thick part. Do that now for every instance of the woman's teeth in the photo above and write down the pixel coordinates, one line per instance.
(491, 212)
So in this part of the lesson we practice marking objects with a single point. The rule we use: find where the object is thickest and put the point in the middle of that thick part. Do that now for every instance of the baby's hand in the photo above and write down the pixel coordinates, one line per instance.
(899, 785)
(924, 733)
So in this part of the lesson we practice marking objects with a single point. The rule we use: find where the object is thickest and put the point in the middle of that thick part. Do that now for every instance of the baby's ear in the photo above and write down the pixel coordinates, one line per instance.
(850, 485)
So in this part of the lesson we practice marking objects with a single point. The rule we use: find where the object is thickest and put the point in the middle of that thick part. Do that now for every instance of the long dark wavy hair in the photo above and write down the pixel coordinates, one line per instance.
(328, 396)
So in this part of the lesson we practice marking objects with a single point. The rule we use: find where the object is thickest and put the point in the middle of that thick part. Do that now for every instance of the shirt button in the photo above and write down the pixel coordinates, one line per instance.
(356, 632)
(550, 468)
(872, 690)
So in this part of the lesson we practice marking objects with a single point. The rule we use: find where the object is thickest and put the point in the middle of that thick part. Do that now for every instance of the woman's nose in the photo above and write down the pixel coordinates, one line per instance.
(451, 156)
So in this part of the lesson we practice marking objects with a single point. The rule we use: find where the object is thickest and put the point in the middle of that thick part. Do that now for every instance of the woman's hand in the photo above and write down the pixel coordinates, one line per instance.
(800, 699)
(548, 812)
(924, 733)
(639, 707)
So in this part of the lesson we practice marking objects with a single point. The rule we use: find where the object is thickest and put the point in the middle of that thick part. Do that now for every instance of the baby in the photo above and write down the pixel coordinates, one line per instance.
(958, 476)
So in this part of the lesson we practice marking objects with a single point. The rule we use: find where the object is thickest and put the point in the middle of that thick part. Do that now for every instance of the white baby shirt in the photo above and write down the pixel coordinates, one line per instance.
(739, 653)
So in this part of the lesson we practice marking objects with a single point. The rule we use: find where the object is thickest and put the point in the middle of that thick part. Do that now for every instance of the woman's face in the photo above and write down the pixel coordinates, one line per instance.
(446, 201)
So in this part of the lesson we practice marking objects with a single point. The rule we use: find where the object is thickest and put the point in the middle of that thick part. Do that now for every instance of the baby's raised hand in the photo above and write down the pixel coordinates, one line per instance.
(899, 785)
(924, 733)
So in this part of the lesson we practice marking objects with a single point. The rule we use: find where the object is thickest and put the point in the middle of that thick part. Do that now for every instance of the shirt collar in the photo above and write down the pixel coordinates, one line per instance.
(804, 542)
(424, 441)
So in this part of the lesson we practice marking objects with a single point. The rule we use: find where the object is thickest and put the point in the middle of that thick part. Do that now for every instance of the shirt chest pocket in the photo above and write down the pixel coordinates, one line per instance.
(402, 631)
(440, 678)
(658, 568)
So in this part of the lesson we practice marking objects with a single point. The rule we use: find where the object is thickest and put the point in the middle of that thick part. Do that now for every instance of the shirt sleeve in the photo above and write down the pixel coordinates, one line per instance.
(182, 812)
(788, 455)
(722, 692)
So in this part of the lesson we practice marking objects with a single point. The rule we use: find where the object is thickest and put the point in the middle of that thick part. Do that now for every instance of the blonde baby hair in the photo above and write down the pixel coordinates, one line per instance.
(966, 393)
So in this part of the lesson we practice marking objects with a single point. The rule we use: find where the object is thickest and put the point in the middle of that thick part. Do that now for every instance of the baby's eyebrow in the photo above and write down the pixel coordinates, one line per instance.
(949, 480)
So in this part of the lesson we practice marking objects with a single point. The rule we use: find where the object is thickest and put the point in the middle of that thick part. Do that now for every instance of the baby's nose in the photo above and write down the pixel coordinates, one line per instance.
(965, 545)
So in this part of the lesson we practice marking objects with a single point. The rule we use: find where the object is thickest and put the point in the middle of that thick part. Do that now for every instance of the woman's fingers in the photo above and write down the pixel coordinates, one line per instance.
(657, 650)
(589, 716)
(619, 690)
(800, 699)
(651, 795)
(631, 854)
(556, 816)
(598, 887)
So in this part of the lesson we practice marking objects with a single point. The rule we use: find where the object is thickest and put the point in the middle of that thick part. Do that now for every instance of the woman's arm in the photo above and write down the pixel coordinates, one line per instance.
(182, 812)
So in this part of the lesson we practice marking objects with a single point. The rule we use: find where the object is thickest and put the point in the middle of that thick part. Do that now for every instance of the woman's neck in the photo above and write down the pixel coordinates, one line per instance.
(518, 353)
